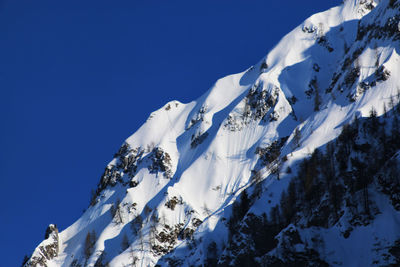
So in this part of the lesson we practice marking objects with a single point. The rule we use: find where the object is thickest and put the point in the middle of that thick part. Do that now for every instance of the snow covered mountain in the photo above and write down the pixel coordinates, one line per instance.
(293, 162)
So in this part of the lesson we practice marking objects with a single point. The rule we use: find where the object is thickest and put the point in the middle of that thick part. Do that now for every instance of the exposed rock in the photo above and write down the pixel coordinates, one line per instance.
(161, 162)
(47, 250)
(197, 139)
(256, 104)
(199, 117)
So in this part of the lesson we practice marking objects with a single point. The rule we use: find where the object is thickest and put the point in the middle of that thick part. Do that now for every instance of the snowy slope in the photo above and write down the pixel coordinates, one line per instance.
(169, 192)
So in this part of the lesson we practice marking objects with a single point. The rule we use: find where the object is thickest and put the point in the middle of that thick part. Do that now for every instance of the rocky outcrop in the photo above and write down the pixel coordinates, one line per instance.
(161, 162)
(255, 107)
(47, 250)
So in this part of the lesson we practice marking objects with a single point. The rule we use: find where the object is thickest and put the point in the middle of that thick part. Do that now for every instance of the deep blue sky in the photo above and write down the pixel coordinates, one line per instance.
(78, 77)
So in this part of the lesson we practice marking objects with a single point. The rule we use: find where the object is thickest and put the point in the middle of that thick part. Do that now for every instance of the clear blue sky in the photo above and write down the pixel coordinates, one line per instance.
(78, 77)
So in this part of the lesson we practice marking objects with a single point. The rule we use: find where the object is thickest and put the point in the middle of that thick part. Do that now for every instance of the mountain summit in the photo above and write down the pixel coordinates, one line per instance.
(293, 162)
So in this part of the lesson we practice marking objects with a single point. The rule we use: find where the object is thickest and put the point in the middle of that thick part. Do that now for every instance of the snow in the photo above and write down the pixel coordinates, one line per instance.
(208, 177)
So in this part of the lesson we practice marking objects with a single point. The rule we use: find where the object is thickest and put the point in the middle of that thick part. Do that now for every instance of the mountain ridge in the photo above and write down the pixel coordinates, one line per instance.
(247, 135)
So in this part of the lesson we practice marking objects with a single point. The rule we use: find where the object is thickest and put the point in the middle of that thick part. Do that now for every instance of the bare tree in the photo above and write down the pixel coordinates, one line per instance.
(125, 242)
(134, 259)
(90, 241)
(116, 212)
(206, 210)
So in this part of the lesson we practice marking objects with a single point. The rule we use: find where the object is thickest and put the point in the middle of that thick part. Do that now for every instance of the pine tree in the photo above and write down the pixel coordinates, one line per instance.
(288, 202)
(212, 255)
(362, 180)
(25, 260)
(136, 224)
(335, 197)
(391, 103)
(317, 99)
(384, 110)
(374, 121)
(296, 138)
(90, 241)
(286, 209)
(134, 259)
(275, 216)
(125, 242)
(244, 203)
(116, 212)
(395, 131)
(100, 262)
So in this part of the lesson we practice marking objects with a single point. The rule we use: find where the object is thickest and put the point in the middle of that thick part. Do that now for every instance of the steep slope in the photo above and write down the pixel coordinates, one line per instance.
(207, 182)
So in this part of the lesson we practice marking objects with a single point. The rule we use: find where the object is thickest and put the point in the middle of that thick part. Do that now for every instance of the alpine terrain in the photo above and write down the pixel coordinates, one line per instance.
(293, 162)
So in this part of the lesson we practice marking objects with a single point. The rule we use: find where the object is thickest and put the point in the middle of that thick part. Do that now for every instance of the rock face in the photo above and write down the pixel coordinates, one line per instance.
(47, 250)
(293, 162)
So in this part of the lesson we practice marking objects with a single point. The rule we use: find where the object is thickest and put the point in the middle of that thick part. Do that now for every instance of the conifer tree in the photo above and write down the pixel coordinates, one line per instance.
(90, 241)
(125, 242)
